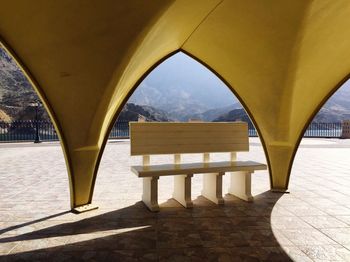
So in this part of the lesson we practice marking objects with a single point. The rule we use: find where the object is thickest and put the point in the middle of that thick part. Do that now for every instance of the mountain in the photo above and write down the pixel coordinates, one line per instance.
(132, 112)
(183, 88)
(16, 93)
(337, 108)
(233, 115)
(331, 115)
(212, 114)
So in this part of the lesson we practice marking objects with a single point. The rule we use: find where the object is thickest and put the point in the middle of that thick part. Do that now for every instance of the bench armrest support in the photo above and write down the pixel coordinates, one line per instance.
(241, 185)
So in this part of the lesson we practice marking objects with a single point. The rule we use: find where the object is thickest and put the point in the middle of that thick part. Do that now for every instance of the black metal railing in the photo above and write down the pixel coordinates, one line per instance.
(251, 130)
(120, 130)
(326, 130)
(329, 130)
(18, 131)
(25, 130)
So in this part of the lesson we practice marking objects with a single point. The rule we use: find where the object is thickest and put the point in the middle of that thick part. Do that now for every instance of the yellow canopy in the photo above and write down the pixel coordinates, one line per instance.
(282, 59)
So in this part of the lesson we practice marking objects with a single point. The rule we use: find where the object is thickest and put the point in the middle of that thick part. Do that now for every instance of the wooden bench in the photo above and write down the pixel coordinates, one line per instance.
(153, 138)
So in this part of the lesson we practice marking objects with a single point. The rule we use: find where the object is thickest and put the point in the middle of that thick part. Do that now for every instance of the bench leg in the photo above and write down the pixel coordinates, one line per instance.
(212, 187)
(182, 190)
(150, 193)
(241, 183)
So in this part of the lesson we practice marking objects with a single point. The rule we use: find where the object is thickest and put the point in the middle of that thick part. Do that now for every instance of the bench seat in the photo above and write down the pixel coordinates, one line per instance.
(196, 168)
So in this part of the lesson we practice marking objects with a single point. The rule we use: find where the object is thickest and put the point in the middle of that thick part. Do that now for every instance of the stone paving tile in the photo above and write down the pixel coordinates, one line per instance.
(280, 211)
(347, 246)
(132, 255)
(235, 211)
(217, 238)
(6, 247)
(259, 254)
(259, 222)
(178, 239)
(185, 254)
(290, 201)
(345, 219)
(295, 254)
(311, 223)
(306, 237)
(42, 243)
(324, 222)
(326, 253)
(175, 212)
(340, 235)
(319, 202)
(281, 238)
(218, 254)
(305, 210)
(289, 222)
(28, 256)
(212, 223)
(175, 224)
(209, 212)
(337, 210)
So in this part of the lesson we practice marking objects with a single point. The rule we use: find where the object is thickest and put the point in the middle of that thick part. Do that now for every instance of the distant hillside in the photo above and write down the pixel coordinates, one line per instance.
(337, 108)
(331, 115)
(16, 93)
(132, 112)
(234, 115)
(183, 88)
(212, 114)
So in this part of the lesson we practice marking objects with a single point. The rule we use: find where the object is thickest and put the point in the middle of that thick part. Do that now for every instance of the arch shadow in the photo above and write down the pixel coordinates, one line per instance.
(238, 230)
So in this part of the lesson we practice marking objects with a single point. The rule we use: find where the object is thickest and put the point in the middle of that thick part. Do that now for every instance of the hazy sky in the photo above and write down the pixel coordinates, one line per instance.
(182, 77)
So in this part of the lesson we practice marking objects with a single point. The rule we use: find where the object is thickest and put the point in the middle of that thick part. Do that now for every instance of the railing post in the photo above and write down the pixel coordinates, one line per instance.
(37, 137)
(345, 129)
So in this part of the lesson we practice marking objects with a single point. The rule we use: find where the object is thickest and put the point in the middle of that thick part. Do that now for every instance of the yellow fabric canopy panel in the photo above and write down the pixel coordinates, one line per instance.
(282, 59)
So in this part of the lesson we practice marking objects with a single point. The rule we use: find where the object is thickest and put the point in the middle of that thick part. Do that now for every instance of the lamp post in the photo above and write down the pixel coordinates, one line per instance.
(36, 104)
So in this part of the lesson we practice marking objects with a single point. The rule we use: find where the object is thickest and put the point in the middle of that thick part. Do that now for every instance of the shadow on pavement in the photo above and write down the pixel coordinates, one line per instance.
(238, 231)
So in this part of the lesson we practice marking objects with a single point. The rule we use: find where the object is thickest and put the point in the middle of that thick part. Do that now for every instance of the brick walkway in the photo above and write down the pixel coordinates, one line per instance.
(312, 223)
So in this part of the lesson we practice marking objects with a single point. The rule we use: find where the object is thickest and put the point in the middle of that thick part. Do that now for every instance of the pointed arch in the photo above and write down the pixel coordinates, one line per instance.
(136, 85)
(41, 94)
(312, 116)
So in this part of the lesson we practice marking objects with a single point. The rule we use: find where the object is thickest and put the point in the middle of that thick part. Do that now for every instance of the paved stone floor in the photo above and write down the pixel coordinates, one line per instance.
(312, 223)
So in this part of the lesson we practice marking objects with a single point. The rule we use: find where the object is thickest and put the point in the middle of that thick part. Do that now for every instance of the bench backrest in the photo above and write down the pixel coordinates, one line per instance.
(154, 138)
